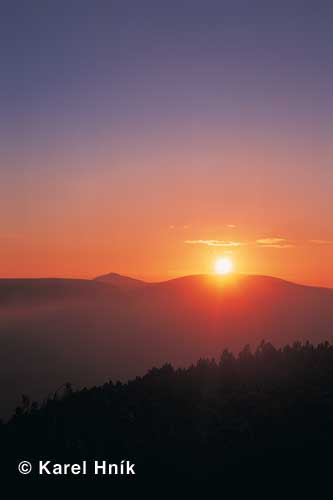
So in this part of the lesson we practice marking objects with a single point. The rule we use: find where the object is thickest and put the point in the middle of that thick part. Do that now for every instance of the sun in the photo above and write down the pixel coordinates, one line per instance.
(224, 265)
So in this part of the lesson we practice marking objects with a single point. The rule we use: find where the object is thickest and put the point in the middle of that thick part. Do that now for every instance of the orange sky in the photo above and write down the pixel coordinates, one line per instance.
(171, 210)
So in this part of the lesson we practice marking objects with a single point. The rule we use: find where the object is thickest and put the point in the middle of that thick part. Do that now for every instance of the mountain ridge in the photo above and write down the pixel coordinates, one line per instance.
(208, 279)
(114, 286)
(119, 280)
(86, 331)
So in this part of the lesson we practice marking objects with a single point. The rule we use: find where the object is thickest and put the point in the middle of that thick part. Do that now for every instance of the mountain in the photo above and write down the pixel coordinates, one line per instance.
(87, 331)
(119, 281)
(29, 291)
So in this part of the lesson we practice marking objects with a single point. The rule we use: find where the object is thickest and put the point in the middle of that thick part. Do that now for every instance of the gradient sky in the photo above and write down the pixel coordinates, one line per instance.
(150, 137)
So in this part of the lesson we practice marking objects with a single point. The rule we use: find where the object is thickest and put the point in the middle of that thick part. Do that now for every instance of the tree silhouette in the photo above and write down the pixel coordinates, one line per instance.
(268, 408)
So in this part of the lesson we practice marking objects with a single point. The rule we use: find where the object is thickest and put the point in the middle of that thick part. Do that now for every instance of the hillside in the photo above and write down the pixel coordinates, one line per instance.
(249, 415)
(28, 291)
(86, 331)
(119, 281)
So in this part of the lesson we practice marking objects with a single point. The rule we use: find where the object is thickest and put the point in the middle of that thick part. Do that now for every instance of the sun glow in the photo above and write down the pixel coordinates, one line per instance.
(224, 265)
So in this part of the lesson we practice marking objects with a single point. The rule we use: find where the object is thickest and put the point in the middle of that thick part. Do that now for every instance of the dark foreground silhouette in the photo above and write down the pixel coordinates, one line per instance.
(88, 331)
(262, 414)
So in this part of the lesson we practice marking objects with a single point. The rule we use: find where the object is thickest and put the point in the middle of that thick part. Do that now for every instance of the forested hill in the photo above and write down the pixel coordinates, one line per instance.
(256, 411)
(88, 331)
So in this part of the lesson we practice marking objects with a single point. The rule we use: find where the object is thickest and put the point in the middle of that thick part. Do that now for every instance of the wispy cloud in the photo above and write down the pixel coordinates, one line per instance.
(231, 226)
(321, 242)
(214, 243)
(274, 243)
(183, 226)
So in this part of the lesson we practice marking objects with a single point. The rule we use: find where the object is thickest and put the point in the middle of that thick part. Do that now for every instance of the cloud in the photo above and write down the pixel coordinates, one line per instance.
(231, 226)
(270, 241)
(184, 226)
(214, 243)
(274, 243)
(321, 242)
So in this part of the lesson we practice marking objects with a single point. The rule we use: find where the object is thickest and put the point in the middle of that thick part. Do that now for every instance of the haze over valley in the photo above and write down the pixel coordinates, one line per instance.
(85, 332)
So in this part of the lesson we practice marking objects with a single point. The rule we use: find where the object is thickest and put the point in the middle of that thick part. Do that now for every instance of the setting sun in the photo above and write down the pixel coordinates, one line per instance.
(223, 265)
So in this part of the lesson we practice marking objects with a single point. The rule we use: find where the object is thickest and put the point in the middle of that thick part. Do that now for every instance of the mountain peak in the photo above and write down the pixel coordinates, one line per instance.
(120, 281)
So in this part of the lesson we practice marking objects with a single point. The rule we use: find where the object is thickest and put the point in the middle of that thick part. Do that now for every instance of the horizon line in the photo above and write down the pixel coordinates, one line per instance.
(180, 276)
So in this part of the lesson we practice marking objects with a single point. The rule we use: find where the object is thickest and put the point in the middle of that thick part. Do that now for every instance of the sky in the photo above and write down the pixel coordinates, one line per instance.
(150, 138)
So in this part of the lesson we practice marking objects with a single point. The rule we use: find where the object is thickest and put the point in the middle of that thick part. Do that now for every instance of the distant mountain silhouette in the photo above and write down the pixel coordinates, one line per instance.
(119, 281)
(86, 331)
(27, 291)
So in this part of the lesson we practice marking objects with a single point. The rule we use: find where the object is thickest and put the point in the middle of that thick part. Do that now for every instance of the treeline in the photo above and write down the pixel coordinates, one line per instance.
(262, 409)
